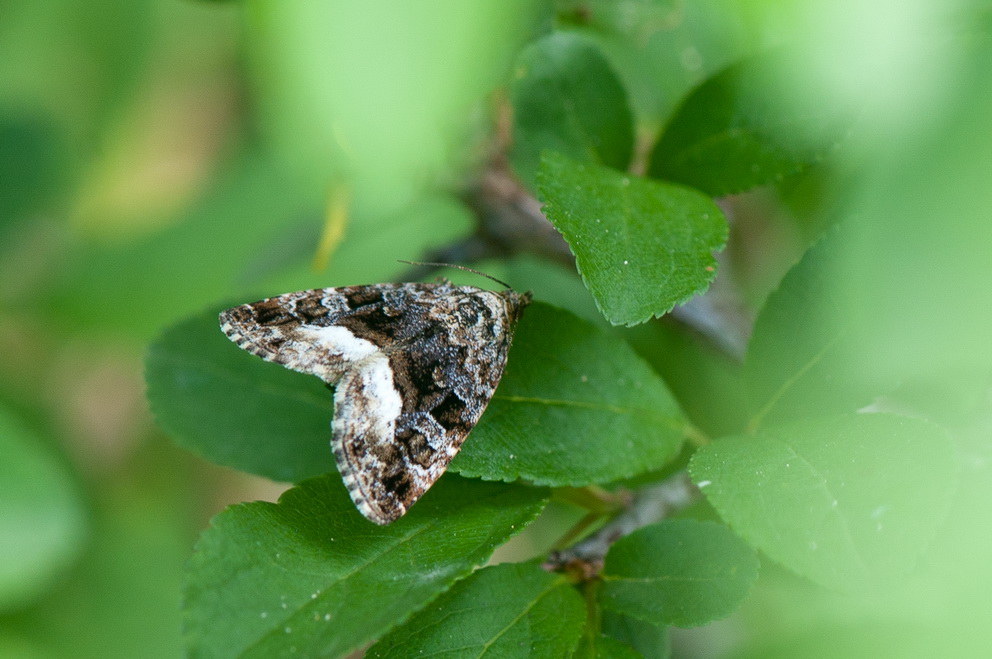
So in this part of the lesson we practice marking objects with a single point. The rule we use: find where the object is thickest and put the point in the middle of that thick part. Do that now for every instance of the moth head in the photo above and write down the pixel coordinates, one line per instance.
(515, 303)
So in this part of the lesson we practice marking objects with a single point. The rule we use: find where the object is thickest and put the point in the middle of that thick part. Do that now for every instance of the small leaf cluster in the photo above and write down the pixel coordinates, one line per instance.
(845, 500)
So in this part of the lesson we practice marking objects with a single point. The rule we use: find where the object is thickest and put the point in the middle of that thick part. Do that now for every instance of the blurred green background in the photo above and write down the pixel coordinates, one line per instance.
(161, 156)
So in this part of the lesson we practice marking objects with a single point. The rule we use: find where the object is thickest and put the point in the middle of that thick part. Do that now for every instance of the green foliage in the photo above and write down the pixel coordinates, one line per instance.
(567, 99)
(309, 573)
(849, 502)
(737, 131)
(317, 145)
(801, 360)
(641, 246)
(42, 522)
(661, 49)
(678, 572)
(508, 610)
(28, 167)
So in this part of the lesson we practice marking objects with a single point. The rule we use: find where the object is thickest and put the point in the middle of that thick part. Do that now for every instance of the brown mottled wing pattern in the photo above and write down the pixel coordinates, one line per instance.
(414, 366)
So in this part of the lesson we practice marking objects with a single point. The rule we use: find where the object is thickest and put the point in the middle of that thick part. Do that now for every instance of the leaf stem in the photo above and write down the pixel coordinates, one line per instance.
(577, 530)
(695, 436)
(597, 500)
(651, 504)
(594, 619)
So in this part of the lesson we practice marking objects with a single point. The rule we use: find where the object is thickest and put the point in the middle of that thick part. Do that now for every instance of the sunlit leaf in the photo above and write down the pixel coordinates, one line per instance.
(849, 501)
(802, 359)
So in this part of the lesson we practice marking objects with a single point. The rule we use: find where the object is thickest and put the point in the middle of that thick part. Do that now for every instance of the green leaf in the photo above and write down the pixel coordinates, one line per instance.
(802, 359)
(509, 610)
(743, 128)
(846, 501)
(641, 246)
(310, 576)
(120, 598)
(42, 521)
(650, 640)
(566, 98)
(235, 409)
(679, 572)
(575, 406)
(661, 49)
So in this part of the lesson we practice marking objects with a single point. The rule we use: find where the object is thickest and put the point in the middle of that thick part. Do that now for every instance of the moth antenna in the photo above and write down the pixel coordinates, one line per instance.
(458, 267)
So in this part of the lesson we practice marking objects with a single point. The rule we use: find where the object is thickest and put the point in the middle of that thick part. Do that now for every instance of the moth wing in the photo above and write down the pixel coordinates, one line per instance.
(366, 408)
(414, 367)
(299, 331)
(444, 376)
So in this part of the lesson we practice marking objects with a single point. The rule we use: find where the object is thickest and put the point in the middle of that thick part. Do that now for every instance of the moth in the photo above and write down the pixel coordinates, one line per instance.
(413, 367)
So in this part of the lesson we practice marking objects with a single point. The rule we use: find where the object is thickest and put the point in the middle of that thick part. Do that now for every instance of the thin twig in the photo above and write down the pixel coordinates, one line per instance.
(651, 504)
